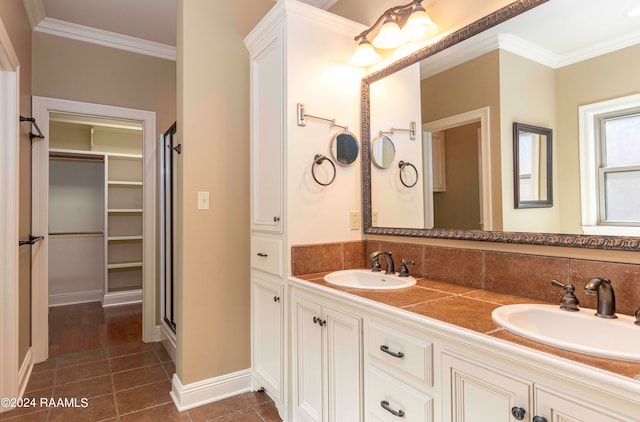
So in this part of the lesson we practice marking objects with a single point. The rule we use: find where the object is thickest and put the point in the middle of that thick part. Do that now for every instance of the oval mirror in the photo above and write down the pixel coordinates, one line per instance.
(382, 151)
(344, 148)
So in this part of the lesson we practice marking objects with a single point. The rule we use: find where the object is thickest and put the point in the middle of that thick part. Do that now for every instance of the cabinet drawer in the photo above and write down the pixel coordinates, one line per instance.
(407, 357)
(385, 395)
(266, 255)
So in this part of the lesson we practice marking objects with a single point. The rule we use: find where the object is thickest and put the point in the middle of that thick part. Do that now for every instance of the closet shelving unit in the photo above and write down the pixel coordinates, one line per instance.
(123, 225)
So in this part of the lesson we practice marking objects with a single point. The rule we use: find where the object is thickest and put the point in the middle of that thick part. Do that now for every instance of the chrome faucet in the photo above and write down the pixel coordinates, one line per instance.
(601, 287)
(390, 266)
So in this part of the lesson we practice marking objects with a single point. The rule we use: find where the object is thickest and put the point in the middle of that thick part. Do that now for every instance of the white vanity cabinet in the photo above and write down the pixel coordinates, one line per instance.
(478, 393)
(483, 391)
(267, 321)
(327, 361)
(399, 378)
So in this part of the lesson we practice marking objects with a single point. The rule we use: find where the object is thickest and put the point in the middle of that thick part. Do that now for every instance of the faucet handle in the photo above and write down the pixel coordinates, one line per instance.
(637, 315)
(404, 271)
(375, 264)
(569, 301)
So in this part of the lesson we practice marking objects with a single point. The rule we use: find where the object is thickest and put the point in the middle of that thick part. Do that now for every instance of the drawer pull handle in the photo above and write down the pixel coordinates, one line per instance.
(385, 349)
(385, 405)
(276, 219)
(276, 298)
(539, 419)
(262, 254)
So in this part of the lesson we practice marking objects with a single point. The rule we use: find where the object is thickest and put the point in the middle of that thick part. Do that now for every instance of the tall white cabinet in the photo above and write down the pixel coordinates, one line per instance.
(293, 53)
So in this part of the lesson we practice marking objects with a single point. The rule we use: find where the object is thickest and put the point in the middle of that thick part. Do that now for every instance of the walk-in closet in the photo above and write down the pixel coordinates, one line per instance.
(95, 210)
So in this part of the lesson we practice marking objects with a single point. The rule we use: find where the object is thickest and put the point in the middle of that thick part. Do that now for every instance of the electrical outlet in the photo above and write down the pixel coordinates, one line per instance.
(374, 218)
(203, 200)
(354, 220)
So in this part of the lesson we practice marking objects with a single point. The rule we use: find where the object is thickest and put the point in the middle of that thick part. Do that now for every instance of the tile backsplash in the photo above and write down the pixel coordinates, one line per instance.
(522, 275)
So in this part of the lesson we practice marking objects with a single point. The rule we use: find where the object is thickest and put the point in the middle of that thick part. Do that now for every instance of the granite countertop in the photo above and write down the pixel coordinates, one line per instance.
(471, 308)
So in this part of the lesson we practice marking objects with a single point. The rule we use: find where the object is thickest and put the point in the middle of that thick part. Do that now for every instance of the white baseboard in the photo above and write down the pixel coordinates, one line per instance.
(207, 391)
(122, 298)
(61, 299)
(25, 372)
(158, 334)
(169, 341)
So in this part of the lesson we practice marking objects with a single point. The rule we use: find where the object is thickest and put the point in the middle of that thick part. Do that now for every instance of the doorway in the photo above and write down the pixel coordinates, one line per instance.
(126, 187)
(481, 117)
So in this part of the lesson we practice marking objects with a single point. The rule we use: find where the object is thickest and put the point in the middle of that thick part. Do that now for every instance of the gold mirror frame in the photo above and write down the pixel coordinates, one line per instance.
(545, 239)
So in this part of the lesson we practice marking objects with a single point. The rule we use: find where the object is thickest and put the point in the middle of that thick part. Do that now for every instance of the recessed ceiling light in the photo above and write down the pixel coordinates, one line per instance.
(634, 13)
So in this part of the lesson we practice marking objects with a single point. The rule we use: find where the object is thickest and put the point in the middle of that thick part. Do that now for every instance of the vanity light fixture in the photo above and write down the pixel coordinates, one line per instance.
(400, 24)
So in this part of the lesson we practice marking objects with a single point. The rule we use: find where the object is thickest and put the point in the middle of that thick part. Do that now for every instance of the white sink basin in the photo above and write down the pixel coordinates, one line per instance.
(366, 279)
(576, 331)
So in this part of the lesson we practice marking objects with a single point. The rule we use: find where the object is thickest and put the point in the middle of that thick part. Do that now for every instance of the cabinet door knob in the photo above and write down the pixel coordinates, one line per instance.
(385, 349)
(321, 322)
(385, 405)
(276, 219)
(262, 254)
(539, 419)
(518, 412)
(276, 298)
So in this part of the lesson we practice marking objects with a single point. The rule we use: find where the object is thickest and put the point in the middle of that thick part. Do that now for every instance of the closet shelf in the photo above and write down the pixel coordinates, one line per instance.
(116, 238)
(124, 210)
(125, 265)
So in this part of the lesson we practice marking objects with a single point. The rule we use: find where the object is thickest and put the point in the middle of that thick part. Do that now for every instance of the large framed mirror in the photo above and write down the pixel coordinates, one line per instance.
(532, 166)
(527, 63)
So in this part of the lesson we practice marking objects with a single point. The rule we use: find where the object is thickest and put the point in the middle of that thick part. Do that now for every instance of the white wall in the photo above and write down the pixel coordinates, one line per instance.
(397, 205)
(320, 77)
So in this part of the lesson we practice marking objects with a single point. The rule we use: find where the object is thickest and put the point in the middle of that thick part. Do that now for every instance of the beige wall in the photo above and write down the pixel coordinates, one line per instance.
(459, 206)
(609, 76)
(213, 125)
(79, 71)
(17, 25)
(527, 95)
(470, 86)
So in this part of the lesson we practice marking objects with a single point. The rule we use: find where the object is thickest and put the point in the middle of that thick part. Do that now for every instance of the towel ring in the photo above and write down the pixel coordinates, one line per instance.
(317, 160)
(402, 165)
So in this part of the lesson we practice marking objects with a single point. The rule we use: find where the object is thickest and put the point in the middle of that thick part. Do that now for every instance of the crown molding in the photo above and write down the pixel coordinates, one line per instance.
(321, 4)
(599, 49)
(476, 47)
(35, 11)
(105, 38)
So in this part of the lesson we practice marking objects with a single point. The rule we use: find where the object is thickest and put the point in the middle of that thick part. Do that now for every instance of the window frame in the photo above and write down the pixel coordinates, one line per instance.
(592, 172)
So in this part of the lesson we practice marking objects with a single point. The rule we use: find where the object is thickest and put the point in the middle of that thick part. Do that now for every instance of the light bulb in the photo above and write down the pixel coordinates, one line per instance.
(390, 35)
(419, 26)
(365, 55)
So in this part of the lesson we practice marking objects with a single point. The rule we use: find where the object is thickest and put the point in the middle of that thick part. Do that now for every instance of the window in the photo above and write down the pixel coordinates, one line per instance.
(610, 166)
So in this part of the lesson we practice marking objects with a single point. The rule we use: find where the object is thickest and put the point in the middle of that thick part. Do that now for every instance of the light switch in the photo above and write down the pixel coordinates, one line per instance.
(203, 200)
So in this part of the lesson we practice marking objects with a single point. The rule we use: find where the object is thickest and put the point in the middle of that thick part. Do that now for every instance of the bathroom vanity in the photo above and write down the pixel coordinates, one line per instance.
(440, 358)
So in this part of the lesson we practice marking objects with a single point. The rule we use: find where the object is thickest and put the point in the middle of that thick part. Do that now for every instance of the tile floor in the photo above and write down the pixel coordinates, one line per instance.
(123, 380)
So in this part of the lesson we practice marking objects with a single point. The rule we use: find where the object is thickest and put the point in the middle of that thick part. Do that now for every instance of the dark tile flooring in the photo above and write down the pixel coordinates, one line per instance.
(98, 355)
